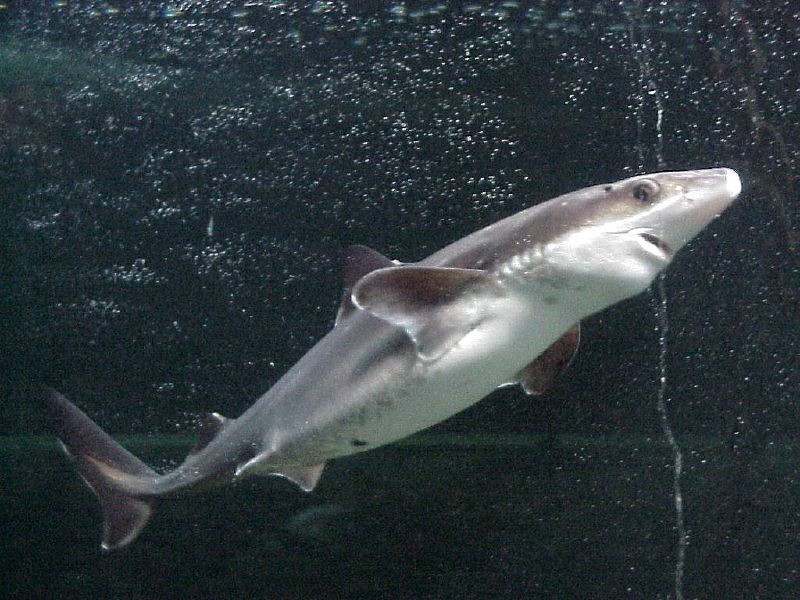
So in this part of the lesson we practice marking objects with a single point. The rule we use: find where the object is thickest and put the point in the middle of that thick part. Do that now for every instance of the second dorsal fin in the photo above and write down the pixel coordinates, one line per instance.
(358, 261)
(208, 427)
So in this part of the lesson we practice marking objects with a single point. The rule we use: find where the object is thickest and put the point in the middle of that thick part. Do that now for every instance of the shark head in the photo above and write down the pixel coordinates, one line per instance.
(614, 239)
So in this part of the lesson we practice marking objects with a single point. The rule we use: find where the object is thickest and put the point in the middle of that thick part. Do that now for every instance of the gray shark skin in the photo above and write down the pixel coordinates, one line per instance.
(416, 343)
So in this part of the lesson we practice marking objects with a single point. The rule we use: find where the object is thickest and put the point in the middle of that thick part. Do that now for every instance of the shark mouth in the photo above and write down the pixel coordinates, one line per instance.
(655, 244)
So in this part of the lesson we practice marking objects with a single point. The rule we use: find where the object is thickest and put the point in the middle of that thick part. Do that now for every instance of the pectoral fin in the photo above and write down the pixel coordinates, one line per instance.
(538, 376)
(435, 306)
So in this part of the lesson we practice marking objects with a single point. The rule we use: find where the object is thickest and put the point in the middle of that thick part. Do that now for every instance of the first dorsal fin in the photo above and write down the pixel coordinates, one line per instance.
(208, 427)
(358, 261)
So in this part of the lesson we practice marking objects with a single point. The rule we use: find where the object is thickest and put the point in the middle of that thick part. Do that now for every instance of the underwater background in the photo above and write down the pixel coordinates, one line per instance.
(178, 181)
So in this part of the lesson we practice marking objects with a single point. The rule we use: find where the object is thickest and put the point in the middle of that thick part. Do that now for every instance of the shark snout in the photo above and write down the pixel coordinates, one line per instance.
(697, 198)
(716, 186)
(733, 184)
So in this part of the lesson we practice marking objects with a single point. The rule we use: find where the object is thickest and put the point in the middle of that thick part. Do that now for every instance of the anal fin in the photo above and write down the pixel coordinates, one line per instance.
(306, 478)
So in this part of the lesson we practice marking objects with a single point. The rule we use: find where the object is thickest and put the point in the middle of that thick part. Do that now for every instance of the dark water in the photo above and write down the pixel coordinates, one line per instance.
(464, 516)
(178, 181)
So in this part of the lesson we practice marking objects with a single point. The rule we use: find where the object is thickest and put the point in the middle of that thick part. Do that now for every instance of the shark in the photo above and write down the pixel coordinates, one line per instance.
(415, 343)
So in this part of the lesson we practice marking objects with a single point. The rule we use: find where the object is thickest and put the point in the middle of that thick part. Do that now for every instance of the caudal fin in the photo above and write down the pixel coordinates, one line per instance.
(107, 468)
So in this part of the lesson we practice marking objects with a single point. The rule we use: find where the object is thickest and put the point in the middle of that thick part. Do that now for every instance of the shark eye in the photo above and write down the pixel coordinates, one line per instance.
(645, 191)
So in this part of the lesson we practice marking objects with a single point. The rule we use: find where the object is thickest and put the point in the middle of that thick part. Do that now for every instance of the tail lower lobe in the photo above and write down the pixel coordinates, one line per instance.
(105, 466)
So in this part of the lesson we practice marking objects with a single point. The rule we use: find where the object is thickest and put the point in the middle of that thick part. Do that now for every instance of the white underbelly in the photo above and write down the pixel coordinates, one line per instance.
(486, 358)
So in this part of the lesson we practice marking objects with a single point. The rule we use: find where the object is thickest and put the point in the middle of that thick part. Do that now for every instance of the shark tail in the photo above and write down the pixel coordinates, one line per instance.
(119, 479)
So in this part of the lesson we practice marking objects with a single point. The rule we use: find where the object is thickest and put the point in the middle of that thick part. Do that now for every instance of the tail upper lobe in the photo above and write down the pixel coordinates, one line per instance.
(106, 467)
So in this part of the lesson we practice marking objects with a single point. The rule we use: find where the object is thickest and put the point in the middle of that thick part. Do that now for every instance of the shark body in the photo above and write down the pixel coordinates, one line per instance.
(416, 343)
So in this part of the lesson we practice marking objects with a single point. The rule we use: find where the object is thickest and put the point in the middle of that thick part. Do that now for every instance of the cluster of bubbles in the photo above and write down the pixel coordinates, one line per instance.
(199, 168)
(204, 163)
